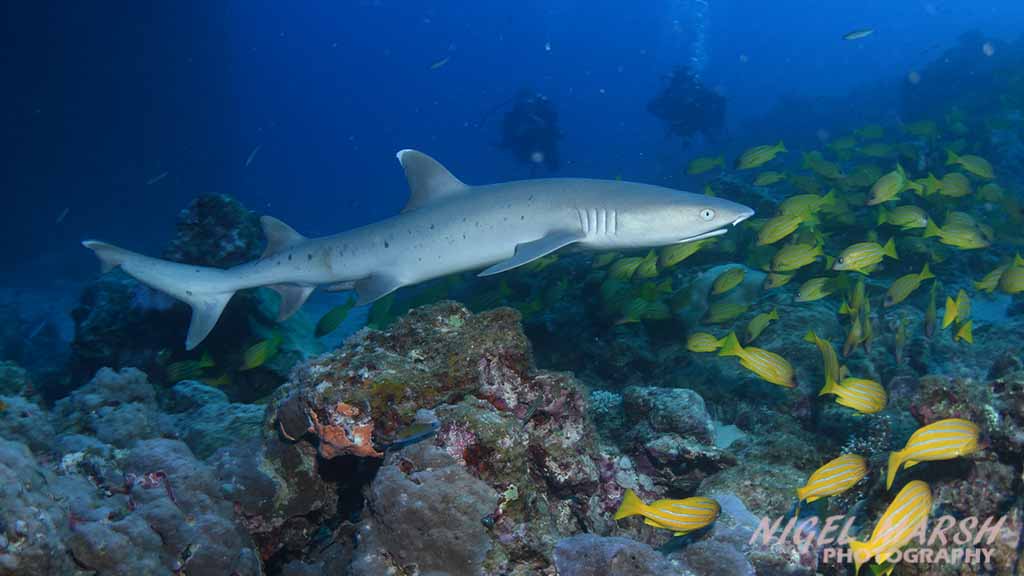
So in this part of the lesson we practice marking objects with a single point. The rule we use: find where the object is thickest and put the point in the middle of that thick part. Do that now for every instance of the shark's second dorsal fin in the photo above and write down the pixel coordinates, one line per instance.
(429, 181)
(279, 235)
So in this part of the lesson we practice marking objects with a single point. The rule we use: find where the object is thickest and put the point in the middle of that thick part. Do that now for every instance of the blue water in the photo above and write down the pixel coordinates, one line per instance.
(101, 99)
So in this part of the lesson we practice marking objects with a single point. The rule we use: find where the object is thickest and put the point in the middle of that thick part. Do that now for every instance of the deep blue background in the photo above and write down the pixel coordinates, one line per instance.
(100, 97)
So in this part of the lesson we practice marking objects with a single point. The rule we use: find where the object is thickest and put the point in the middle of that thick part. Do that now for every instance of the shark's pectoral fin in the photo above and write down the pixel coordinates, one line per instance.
(530, 251)
(279, 235)
(293, 296)
(375, 286)
(429, 181)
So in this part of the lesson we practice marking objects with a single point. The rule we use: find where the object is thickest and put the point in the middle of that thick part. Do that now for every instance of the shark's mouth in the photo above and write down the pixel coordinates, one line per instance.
(711, 234)
(719, 231)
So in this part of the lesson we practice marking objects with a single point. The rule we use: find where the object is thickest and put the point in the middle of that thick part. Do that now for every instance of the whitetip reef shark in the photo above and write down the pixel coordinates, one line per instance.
(447, 227)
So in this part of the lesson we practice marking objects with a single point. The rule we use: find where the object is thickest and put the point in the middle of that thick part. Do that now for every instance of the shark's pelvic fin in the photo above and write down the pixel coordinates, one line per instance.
(530, 251)
(293, 296)
(429, 181)
(279, 235)
(375, 286)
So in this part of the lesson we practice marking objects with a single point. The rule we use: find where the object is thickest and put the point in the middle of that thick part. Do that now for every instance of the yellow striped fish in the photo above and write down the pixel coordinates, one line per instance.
(1011, 280)
(862, 256)
(780, 226)
(624, 268)
(676, 253)
(768, 178)
(906, 217)
(815, 289)
(759, 155)
(863, 395)
(795, 256)
(679, 516)
(768, 365)
(721, 312)
(703, 342)
(898, 524)
(728, 280)
(959, 309)
(957, 235)
(758, 324)
(776, 279)
(648, 267)
(991, 280)
(834, 478)
(828, 356)
(704, 164)
(905, 285)
(942, 440)
(807, 203)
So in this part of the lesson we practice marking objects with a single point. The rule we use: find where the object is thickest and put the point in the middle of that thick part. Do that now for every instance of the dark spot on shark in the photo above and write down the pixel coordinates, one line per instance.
(189, 292)
(309, 256)
(463, 236)
(522, 217)
(431, 226)
(386, 245)
(289, 257)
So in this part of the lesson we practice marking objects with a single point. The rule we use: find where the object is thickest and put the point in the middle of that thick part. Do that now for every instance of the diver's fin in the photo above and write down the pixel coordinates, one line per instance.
(530, 251)
(206, 309)
(374, 287)
(293, 296)
(429, 181)
(279, 235)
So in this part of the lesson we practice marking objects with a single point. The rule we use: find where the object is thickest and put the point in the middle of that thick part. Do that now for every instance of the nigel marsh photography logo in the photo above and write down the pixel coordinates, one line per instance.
(944, 540)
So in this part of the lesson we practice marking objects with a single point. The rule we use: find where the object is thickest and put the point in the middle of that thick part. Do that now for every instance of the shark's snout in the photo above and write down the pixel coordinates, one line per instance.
(743, 216)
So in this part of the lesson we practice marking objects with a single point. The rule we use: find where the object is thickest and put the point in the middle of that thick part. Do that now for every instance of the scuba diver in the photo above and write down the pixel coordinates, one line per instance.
(688, 107)
(530, 130)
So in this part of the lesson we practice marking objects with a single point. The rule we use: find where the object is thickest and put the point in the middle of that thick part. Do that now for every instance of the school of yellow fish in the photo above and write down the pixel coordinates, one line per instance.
(857, 186)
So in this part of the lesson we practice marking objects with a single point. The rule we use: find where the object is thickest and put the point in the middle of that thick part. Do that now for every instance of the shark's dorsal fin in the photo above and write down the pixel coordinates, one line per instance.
(429, 181)
(279, 235)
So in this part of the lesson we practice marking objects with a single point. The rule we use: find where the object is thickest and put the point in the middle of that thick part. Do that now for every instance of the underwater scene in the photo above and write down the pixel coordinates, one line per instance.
(369, 287)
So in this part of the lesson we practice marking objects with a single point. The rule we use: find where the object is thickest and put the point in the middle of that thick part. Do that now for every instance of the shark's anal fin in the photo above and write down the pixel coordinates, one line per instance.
(293, 296)
(429, 181)
(530, 251)
(375, 286)
(279, 235)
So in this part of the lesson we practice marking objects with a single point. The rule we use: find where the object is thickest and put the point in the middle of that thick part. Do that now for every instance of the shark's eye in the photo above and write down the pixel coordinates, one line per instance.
(707, 214)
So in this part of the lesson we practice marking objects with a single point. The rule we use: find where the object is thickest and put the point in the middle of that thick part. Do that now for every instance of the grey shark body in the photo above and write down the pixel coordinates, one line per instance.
(447, 227)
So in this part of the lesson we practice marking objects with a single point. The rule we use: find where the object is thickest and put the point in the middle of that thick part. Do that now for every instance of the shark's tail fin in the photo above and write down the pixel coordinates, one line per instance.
(197, 286)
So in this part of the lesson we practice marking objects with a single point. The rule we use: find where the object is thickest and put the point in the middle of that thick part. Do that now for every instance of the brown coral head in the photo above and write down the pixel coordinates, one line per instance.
(336, 441)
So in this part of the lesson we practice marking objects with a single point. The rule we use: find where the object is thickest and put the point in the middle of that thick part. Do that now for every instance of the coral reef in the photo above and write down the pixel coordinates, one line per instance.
(216, 230)
(120, 500)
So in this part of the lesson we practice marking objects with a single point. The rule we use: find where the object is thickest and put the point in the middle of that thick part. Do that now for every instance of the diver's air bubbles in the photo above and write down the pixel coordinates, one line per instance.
(988, 49)
(537, 157)
(547, 46)
(914, 77)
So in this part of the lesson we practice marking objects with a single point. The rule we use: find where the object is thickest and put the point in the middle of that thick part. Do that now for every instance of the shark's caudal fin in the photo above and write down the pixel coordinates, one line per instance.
(193, 285)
